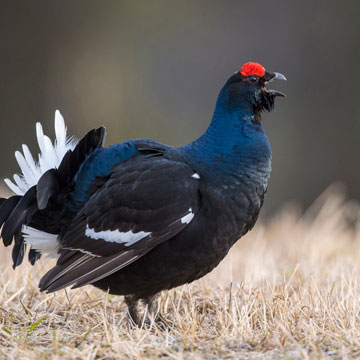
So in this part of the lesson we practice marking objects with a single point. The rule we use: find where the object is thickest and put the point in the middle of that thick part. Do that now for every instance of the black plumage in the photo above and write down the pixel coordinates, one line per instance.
(139, 217)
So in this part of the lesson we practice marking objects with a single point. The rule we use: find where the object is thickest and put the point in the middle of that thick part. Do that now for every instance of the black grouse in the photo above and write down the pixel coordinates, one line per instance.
(139, 217)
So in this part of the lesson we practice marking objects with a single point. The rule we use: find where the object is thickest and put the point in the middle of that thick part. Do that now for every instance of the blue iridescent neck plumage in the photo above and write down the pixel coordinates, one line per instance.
(234, 143)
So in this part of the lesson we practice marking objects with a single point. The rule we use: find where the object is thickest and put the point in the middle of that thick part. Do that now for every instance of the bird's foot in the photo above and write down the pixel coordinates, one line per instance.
(152, 317)
(158, 322)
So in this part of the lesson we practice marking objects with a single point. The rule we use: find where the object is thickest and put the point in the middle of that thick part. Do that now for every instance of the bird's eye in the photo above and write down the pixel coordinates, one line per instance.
(253, 79)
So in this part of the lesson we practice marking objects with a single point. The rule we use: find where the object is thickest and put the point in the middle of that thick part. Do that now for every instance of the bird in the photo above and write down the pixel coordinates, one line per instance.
(139, 216)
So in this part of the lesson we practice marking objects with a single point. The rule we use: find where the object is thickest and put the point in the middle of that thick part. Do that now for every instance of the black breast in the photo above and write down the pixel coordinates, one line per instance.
(226, 214)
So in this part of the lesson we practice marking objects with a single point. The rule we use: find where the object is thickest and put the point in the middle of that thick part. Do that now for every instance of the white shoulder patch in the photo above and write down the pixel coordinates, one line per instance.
(188, 217)
(195, 176)
(42, 241)
(50, 156)
(127, 238)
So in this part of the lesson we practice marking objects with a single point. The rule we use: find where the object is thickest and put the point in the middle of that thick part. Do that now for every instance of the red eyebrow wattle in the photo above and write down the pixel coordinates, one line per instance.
(252, 68)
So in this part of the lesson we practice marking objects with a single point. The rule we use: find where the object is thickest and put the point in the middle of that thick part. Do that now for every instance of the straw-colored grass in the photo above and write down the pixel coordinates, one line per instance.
(290, 289)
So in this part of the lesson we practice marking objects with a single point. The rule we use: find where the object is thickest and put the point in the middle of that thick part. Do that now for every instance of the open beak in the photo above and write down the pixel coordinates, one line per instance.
(269, 77)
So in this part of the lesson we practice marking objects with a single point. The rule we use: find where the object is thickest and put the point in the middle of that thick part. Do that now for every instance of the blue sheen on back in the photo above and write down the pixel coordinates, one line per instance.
(98, 164)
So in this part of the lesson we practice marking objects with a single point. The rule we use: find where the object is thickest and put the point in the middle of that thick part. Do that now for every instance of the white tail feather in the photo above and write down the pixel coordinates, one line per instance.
(30, 160)
(24, 166)
(41, 241)
(20, 183)
(50, 156)
(60, 132)
(40, 137)
(13, 187)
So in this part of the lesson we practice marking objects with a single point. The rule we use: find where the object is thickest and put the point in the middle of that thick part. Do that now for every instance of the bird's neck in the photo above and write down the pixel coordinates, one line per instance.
(233, 145)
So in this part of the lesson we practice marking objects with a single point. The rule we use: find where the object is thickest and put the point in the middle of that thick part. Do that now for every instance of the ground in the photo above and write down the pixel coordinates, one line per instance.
(290, 289)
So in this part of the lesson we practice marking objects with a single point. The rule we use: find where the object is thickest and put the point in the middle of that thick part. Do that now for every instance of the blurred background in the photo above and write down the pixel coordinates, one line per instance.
(154, 69)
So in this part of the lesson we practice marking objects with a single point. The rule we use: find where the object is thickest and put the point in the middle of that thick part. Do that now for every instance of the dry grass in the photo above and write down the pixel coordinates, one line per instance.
(290, 289)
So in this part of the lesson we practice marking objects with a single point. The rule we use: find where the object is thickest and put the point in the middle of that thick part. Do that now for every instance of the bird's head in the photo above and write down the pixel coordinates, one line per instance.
(247, 89)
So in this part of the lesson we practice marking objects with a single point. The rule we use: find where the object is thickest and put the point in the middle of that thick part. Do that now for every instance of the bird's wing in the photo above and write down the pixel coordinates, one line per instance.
(145, 201)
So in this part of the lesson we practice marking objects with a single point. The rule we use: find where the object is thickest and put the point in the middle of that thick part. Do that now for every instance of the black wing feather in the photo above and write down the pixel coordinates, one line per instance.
(150, 195)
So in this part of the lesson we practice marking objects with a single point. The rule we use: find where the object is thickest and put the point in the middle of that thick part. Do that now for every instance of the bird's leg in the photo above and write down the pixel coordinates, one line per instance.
(152, 305)
(133, 313)
(153, 311)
